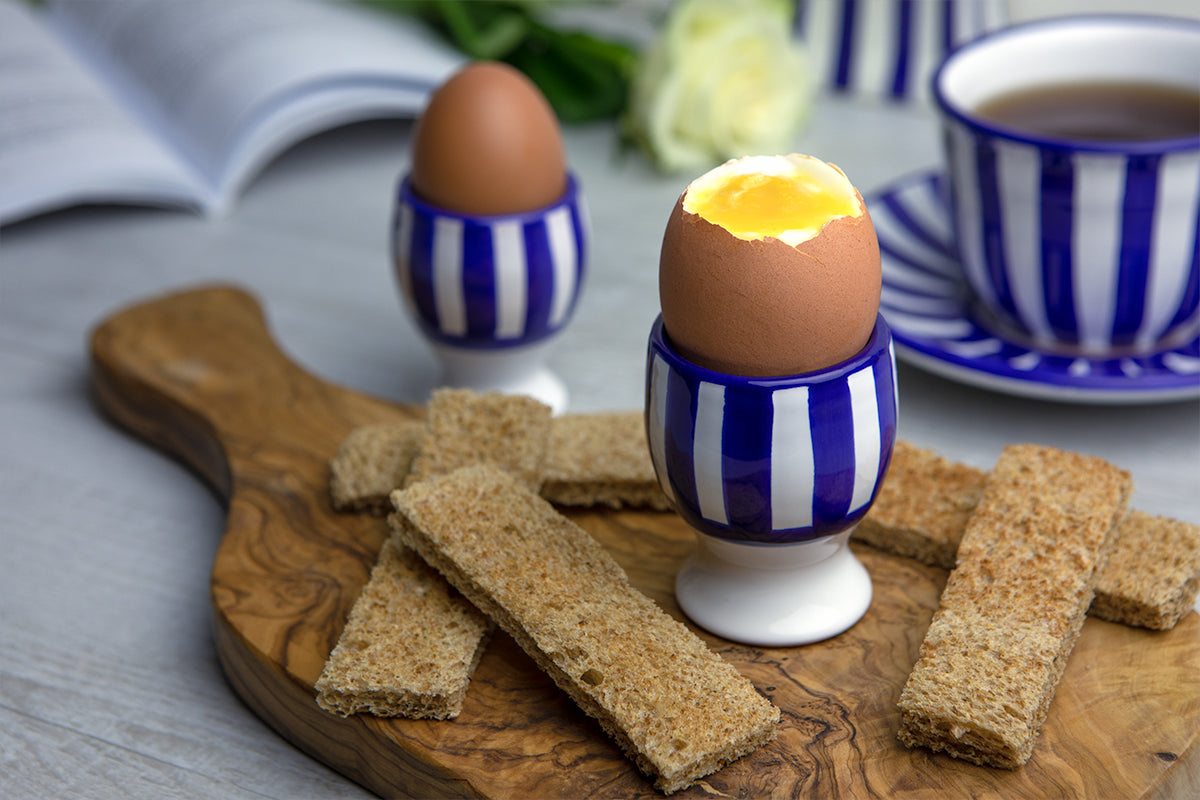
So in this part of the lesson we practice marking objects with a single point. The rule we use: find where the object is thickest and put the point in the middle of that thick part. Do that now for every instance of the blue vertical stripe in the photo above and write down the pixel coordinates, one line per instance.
(991, 224)
(948, 23)
(540, 283)
(904, 48)
(844, 54)
(1057, 219)
(833, 450)
(746, 436)
(680, 432)
(421, 270)
(479, 285)
(1137, 226)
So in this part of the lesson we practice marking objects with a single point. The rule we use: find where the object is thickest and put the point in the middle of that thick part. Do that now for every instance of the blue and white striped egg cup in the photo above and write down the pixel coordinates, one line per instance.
(491, 293)
(772, 474)
(1076, 247)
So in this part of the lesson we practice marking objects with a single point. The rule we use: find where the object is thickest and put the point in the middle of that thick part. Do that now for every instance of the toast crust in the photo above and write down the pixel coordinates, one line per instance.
(465, 427)
(590, 460)
(601, 460)
(409, 647)
(372, 461)
(1151, 579)
(1153, 573)
(1013, 606)
(676, 708)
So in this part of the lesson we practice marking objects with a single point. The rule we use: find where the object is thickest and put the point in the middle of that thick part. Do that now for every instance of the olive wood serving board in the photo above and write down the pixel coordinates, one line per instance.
(198, 375)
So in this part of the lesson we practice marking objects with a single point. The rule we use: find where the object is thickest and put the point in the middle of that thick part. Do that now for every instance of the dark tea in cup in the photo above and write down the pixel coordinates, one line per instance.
(1098, 111)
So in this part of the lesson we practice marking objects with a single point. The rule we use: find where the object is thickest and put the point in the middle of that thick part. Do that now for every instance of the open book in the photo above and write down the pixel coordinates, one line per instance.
(180, 103)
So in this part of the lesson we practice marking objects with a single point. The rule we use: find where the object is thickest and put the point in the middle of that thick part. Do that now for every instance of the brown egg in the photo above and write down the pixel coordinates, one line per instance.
(488, 143)
(769, 266)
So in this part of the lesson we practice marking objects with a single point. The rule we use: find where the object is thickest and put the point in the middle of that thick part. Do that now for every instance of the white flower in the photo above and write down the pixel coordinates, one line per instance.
(725, 78)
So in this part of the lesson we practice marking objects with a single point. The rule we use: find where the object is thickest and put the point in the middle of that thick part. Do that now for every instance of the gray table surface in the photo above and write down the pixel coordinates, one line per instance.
(109, 685)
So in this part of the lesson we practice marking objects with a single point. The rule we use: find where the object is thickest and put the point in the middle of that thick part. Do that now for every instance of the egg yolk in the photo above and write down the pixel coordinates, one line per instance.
(790, 199)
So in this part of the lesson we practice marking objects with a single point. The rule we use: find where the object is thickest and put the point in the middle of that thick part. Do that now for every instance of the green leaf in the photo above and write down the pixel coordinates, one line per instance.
(485, 30)
(583, 77)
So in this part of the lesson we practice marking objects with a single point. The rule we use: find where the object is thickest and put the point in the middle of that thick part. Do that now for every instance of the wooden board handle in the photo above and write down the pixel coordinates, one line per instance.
(198, 375)
(175, 369)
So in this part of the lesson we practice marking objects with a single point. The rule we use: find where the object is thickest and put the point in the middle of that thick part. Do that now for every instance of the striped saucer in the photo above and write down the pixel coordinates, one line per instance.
(937, 328)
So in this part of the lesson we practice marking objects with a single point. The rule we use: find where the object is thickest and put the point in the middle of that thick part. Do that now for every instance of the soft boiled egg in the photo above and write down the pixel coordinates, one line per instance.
(488, 143)
(769, 267)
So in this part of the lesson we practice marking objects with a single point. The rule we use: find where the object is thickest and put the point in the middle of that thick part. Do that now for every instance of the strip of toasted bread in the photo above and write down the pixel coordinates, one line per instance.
(412, 642)
(922, 508)
(465, 427)
(1151, 579)
(1013, 606)
(601, 460)
(371, 462)
(1153, 573)
(409, 647)
(676, 708)
(590, 460)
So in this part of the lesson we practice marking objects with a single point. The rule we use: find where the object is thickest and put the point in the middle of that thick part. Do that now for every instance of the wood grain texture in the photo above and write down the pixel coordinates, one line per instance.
(198, 375)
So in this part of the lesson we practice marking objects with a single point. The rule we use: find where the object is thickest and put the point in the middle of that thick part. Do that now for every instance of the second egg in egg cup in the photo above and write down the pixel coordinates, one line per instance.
(491, 292)
(773, 474)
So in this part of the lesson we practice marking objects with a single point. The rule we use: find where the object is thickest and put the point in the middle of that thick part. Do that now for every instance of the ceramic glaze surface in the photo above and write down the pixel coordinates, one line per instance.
(936, 325)
(1083, 245)
(771, 460)
(490, 282)
(881, 49)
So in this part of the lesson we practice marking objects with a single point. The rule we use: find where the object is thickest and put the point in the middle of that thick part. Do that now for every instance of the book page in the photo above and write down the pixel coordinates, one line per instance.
(63, 139)
(231, 84)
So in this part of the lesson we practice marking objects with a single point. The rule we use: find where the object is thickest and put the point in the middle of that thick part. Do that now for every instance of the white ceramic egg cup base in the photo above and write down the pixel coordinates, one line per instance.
(774, 595)
(511, 370)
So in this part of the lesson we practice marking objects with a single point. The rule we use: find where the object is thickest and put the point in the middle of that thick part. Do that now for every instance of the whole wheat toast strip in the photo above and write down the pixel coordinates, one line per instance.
(466, 427)
(1151, 579)
(676, 708)
(1013, 606)
(372, 461)
(1152, 576)
(601, 459)
(922, 507)
(409, 623)
(409, 647)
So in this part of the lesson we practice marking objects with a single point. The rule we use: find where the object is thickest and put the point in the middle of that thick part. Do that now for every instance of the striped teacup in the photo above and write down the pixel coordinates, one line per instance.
(489, 283)
(1077, 245)
(779, 460)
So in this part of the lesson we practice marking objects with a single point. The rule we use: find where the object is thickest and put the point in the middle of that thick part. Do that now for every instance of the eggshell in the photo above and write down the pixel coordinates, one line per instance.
(488, 143)
(763, 307)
